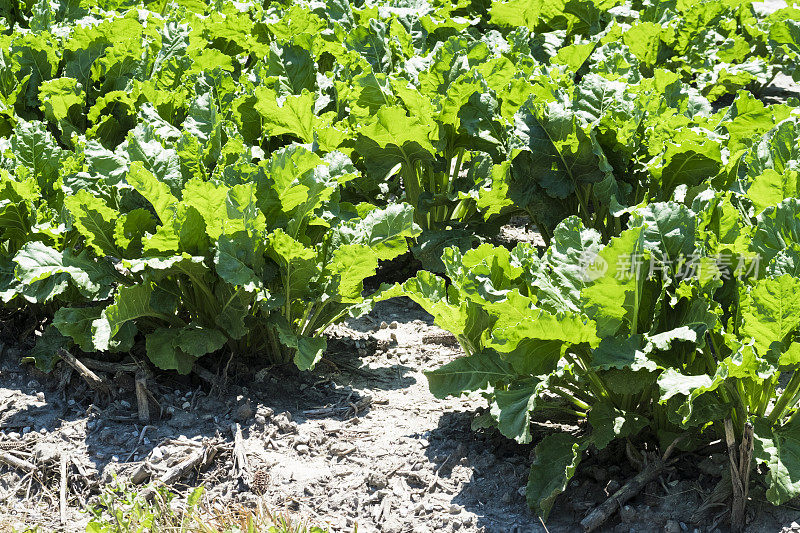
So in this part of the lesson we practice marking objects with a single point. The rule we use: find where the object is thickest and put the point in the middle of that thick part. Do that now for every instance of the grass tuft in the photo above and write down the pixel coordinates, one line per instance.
(122, 508)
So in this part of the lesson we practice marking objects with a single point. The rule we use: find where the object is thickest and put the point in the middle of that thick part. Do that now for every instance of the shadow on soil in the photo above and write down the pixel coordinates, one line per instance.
(180, 406)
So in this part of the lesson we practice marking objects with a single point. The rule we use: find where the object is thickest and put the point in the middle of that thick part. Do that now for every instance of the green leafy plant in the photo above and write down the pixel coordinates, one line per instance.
(120, 508)
(663, 333)
(266, 262)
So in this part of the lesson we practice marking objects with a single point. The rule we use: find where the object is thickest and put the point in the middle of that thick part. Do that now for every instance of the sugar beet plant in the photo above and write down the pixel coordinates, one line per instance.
(687, 318)
(264, 257)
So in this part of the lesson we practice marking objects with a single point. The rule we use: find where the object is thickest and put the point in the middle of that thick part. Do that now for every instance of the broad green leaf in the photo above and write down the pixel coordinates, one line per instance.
(61, 98)
(76, 323)
(612, 297)
(559, 154)
(230, 261)
(394, 137)
(557, 458)
(672, 382)
(512, 409)
(130, 303)
(688, 163)
(346, 271)
(154, 191)
(295, 115)
(778, 448)
(95, 221)
(197, 341)
(771, 188)
(469, 373)
(384, 230)
(307, 350)
(609, 423)
(36, 262)
(778, 228)
(771, 311)
(163, 352)
(568, 265)
(668, 231)
(35, 148)
(45, 353)
(164, 163)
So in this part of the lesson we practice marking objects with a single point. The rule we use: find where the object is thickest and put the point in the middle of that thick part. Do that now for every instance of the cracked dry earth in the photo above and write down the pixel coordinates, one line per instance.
(360, 441)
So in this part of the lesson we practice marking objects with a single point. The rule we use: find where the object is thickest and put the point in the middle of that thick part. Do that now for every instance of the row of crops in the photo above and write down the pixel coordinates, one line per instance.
(198, 179)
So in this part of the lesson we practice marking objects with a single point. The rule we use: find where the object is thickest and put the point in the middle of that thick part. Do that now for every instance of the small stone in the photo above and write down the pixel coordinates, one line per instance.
(392, 525)
(302, 449)
(340, 449)
(627, 514)
(284, 423)
(508, 497)
(384, 325)
(40, 396)
(244, 412)
(377, 480)
(454, 508)
(26, 430)
(46, 453)
(186, 405)
(265, 411)
(522, 490)
(260, 420)
(672, 526)
(393, 336)
(156, 455)
(393, 325)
